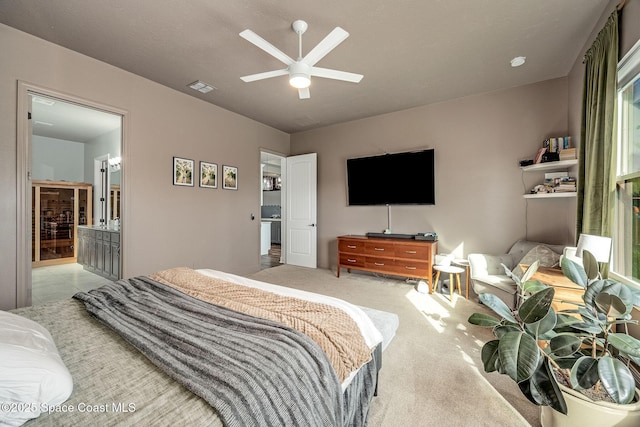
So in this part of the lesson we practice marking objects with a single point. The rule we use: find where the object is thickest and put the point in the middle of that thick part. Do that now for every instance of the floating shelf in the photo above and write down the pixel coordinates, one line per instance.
(562, 164)
(550, 195)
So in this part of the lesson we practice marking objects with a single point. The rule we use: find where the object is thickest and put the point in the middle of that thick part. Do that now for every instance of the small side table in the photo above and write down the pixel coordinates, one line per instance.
(462, 262)
(451, 270)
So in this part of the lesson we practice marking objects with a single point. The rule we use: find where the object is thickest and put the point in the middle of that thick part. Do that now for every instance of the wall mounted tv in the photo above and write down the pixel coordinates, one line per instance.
(392, 179)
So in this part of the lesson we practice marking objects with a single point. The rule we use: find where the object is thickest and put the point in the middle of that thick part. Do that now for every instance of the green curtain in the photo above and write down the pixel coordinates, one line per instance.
(597, 154)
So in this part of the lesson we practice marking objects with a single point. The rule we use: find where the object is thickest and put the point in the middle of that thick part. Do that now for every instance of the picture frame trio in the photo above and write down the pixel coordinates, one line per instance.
(183, 174)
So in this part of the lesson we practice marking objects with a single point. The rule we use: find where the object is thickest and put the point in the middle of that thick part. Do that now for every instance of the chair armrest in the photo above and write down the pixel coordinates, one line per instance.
(570, 253)
(481, 265)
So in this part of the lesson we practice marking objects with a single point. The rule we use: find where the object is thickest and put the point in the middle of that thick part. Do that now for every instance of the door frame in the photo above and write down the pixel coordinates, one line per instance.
(24, 177)
(283, 201)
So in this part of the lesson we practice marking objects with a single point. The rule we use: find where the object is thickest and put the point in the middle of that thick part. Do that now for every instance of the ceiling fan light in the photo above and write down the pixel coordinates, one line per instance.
(300, 81)
(518, 61)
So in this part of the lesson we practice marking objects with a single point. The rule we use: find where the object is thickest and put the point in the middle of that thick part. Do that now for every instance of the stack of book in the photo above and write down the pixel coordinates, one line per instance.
(566, 185)
(568, 154)
(559, 182)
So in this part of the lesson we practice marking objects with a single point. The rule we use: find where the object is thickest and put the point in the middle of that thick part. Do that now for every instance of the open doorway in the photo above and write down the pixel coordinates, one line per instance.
(64, 140)
(271, 231)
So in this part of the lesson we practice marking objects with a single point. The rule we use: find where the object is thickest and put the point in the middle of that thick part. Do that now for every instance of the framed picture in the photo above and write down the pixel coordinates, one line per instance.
(182, 171)
(229, 177)
(208, 175)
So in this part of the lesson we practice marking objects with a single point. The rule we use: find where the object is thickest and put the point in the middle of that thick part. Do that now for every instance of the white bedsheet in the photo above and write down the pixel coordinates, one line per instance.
(371, 335)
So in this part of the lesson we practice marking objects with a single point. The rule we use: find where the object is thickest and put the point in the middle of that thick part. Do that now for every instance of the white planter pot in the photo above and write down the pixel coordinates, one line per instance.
(581, 411)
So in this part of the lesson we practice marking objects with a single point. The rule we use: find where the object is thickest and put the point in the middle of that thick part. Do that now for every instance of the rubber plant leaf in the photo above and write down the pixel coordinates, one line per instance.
(537, 306)
(616, 379)
(497, 305)
(547, 387)
(574, 272)
(564, 345)
(489, 356)
(590, 265)
(481, 319)
(584, 373)
(544, 325)
(519, 355)
(625, 343)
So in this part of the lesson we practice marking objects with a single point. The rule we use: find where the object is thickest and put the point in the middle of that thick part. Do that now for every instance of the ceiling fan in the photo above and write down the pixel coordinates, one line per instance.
(301, 69)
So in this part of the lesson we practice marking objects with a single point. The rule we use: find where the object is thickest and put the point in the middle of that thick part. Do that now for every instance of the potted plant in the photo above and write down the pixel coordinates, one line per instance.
(557, 358)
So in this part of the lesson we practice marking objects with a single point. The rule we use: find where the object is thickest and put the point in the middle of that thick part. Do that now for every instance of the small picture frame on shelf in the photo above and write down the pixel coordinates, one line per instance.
(208, 175)
(229, 177)
(183, 172)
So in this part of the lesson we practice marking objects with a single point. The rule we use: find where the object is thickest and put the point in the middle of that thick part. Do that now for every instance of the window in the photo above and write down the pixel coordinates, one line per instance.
(626, 258)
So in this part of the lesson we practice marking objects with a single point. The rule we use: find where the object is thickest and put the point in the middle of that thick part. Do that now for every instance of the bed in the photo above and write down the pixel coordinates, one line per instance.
(129, 368)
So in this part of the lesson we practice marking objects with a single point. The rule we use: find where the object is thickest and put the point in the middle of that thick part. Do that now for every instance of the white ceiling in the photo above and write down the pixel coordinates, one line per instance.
(58, 119)
(411, 52)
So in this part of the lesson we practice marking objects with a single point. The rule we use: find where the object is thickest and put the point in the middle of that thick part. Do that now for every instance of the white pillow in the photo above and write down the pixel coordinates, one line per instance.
(543, 254)
(32, 374)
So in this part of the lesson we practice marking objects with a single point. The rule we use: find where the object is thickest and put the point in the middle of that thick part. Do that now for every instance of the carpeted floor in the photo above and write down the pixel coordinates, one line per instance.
(432, 374)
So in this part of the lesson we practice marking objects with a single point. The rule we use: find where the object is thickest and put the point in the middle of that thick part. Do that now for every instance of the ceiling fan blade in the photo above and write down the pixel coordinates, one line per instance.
(304, 93)
(252, 37)
(333, 39)
(265, 75)
(336, 75)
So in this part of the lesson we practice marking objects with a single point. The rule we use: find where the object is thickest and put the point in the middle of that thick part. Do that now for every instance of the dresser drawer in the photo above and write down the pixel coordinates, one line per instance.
(408, 268)
(421, 252)
(385, 249)
(352, 246)
(380, 263)
(352, 260)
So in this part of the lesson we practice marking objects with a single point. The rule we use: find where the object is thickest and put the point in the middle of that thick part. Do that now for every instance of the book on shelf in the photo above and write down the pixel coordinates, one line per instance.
(557, 144)
(541, 151)
(565, 189)
(568, 154)
(553, 175)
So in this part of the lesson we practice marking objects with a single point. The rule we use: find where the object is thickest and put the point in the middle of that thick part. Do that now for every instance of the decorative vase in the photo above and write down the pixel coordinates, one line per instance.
(582, 411)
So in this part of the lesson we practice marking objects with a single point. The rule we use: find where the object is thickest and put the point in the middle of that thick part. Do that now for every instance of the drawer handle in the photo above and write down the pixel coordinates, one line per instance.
(351, 260)
(411, 252)
(410, 268)
(351, 246)
(378, 249)
(379, 263)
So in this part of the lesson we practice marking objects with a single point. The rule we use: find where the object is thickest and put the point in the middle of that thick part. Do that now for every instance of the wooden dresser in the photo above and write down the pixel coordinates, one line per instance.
(399, 257)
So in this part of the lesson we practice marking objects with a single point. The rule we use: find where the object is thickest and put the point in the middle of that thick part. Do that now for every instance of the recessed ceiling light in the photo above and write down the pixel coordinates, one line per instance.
(201, 86)
(518, 61)
(44, 101)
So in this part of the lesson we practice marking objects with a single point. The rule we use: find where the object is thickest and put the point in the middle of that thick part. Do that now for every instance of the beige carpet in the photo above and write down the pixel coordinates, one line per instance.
(432, 374)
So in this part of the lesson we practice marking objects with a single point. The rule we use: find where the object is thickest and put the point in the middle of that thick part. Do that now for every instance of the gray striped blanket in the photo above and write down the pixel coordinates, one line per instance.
(255, 372)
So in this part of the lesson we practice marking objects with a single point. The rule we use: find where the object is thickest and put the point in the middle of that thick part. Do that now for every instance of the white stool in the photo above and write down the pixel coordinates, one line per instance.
(464, 263)
(452, 270)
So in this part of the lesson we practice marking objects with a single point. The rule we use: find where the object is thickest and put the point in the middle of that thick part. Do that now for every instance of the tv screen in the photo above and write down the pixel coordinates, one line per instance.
(392, 179)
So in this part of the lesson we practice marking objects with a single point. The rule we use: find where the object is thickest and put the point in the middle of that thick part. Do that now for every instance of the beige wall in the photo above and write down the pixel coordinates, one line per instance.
(478, 142)
(163, 225)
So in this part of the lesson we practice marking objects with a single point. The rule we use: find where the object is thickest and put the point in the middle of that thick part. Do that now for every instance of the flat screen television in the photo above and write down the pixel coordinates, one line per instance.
(392, 179)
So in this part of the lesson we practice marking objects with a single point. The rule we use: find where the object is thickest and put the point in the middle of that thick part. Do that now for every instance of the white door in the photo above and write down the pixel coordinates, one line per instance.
(301, 217)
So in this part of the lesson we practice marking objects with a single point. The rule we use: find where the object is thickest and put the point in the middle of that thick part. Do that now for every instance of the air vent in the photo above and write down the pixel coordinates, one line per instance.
(201, 86)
